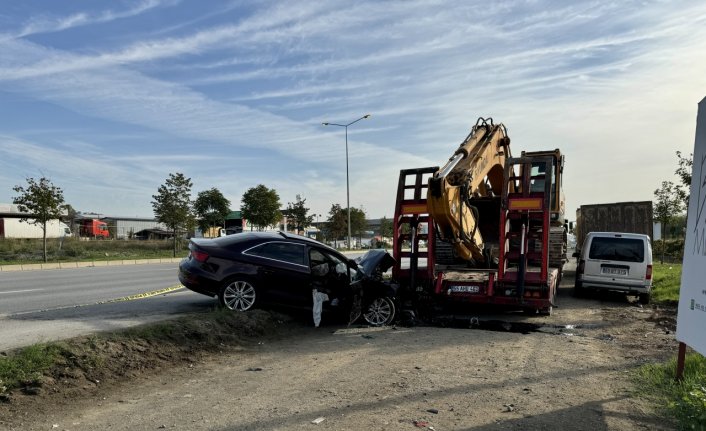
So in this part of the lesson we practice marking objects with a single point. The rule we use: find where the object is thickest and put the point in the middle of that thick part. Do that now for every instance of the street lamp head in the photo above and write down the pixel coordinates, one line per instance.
(324, 124)
(366, 116)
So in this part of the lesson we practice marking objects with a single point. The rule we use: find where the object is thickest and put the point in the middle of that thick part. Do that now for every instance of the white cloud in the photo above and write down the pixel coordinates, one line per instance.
(48, 24)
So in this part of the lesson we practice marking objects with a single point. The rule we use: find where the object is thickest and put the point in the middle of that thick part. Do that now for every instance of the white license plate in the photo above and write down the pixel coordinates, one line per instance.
(464, 289)
(614, 271)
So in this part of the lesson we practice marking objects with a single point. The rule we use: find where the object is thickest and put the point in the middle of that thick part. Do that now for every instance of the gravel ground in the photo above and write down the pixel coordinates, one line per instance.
(569, 371)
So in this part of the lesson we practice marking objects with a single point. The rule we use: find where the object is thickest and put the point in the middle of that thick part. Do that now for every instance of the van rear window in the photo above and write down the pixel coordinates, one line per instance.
(620, 249)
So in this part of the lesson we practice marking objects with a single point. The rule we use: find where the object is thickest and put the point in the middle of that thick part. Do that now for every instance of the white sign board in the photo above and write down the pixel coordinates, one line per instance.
(691, 321)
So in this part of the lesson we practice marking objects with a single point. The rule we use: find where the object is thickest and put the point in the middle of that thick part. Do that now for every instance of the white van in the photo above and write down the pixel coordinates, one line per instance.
(615, 261)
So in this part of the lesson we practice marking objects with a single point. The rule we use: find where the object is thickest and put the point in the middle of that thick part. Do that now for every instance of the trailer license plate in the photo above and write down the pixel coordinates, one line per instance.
(464, 289)
(614, 271)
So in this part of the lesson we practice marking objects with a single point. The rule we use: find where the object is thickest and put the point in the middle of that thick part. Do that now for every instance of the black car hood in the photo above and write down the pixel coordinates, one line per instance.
(375, 259)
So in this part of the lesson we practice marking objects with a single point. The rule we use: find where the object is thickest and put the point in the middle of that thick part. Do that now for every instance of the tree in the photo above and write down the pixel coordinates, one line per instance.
(261, 206)
(358, 223)
(211, 209)
(43, 200)
(299, 214)
(684, 173)
(337, 223)
(172, 205)
(385, 229)
(668, 204)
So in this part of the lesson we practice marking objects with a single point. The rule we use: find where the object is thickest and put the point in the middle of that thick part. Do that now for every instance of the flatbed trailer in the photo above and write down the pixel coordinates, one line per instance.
(519, 224)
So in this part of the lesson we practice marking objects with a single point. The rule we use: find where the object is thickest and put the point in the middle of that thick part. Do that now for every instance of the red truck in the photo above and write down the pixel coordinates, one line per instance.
(94, 228)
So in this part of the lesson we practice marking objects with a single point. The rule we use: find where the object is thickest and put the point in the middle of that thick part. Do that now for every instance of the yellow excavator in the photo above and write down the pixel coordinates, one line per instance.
(486, 227)
(475, 170)
(473, 176)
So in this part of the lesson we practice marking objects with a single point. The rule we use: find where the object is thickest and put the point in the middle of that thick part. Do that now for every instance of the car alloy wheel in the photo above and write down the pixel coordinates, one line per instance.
(238, 295)
(380, 312)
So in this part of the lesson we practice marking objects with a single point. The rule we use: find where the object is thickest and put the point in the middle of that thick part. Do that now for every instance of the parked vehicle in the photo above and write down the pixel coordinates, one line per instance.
(615, 261)
(627, 217)
(14, 228)
(252, 269)
(94, 228)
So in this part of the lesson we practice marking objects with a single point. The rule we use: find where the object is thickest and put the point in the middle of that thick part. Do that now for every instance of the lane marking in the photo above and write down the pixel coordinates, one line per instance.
(20, 291)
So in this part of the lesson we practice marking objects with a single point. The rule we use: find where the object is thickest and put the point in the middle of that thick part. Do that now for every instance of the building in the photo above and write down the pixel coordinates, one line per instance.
(127, 227)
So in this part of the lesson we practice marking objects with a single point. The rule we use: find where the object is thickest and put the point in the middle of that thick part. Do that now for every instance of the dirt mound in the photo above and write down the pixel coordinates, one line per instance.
(83, 365)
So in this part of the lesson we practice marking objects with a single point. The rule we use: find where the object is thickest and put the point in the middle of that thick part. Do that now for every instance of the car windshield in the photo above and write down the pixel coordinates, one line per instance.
(619, 249)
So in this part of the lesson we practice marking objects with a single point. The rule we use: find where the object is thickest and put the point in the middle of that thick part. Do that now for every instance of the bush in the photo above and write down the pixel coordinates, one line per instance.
(673, 250)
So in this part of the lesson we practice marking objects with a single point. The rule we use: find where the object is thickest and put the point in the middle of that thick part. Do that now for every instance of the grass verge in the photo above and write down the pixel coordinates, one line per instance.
(684, 401)
(22, 251)
(27, 365)
(666, 280)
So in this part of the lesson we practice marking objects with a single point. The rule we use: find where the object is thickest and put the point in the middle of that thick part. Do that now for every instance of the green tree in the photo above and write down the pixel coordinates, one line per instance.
(667, 205)
(385, 229)
(261, 206)
(43, 200)
(299, 214)
(172, 205)
(337, 223)
(358, 223)
(211, 209)
(684, 173)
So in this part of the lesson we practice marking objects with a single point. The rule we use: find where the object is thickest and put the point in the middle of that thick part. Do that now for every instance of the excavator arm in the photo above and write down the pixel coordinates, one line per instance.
(475, 170)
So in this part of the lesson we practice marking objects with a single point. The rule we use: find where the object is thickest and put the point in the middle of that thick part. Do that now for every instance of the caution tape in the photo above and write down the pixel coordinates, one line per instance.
(144, 295)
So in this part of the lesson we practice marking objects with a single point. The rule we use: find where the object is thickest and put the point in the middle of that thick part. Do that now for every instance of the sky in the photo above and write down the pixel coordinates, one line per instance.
(107, 98)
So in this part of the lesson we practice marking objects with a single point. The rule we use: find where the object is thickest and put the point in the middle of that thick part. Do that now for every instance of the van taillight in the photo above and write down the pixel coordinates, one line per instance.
(648, 273)
(579, 269)
(200, 256)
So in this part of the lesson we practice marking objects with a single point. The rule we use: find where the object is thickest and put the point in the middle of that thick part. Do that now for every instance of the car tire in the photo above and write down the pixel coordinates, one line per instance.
(644, 298)
(238, 294)
(380, 312)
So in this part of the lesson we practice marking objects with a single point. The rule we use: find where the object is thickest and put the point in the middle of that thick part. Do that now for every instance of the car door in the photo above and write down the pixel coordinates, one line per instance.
(283, 274)
(336, 279)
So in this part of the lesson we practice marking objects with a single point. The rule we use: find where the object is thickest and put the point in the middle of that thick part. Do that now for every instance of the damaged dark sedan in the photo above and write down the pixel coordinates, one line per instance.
(254, 269)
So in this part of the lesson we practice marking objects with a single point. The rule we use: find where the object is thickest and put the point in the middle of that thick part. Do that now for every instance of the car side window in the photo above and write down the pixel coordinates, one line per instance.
(318, 257)
(282, 251)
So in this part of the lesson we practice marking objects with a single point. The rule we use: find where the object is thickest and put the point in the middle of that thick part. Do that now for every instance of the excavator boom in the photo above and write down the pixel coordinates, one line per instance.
(475, 170)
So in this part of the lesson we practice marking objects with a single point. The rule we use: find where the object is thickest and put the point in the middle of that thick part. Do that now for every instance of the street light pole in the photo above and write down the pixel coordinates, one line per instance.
(348, 188)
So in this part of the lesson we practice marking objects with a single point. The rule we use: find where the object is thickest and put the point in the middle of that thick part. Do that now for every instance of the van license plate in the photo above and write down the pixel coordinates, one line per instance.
(464, 289)
(614, 271)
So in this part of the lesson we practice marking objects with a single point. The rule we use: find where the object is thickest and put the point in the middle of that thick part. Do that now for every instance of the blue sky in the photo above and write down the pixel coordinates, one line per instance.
(107, 98)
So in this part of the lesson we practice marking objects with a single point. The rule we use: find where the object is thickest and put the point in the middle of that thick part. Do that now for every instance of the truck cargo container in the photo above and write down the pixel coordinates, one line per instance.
(94, 228)
(14, 228)
(626, 217)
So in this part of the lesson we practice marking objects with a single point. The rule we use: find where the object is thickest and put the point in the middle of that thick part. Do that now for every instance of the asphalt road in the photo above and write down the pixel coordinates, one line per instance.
(46, 305)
